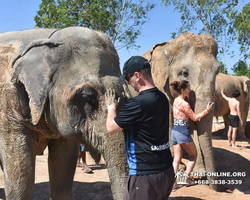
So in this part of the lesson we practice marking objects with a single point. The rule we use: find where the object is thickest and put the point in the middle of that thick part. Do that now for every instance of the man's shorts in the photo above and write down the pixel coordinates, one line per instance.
(181, 135)
(233, 120)
(150, 186)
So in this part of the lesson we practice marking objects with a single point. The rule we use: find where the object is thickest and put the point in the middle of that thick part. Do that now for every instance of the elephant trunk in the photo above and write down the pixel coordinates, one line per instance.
(112, 147)
(204, 128)
(116, 162)
(204, 134)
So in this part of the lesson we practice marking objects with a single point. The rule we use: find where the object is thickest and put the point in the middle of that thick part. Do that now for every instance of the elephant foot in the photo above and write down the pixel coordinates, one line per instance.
(199, 168)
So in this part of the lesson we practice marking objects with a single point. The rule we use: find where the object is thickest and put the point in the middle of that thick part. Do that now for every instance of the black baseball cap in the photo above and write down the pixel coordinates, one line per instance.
(134, 64)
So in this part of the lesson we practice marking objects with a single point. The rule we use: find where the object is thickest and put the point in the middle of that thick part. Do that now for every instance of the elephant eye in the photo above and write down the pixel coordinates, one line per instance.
(185, 73)
(86, 99)
(91, 100)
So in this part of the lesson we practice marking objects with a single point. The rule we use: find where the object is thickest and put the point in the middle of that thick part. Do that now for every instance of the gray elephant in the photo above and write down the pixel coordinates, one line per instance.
(52, 87)
(230, 83)
(193, 58)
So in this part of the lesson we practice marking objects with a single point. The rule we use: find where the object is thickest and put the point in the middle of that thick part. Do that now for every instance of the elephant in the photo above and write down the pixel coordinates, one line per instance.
(230, 83)
(190, 57)
(52, 88)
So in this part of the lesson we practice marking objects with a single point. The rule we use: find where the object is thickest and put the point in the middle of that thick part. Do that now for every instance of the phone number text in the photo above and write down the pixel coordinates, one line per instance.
(219, 182)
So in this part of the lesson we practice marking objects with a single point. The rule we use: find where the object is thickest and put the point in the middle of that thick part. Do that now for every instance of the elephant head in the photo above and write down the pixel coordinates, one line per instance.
(193, 58)
(60, 83)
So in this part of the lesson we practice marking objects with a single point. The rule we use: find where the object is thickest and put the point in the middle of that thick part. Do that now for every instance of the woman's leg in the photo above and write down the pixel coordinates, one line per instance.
(192, 152)
(177, 156)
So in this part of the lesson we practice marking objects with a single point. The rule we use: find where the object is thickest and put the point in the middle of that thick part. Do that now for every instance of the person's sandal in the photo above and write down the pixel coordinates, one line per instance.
(176, 187)
(189, 182)
(79, 165)
(87, 170)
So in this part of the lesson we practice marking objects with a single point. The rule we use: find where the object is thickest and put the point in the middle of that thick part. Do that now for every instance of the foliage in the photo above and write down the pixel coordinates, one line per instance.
(121, 20)
(223, 69)
(242, 26)
(241, 69)
(216, 17)
(212, 14)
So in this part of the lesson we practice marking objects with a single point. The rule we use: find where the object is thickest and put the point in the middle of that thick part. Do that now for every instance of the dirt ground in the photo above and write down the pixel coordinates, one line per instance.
(96, 186)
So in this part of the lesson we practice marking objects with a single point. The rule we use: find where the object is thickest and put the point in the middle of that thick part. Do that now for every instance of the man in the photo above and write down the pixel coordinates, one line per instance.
(234, 116)
(145, 120)
(82, 155)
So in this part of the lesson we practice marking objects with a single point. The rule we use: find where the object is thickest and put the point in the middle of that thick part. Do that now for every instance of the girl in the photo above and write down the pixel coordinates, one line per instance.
(180, 135)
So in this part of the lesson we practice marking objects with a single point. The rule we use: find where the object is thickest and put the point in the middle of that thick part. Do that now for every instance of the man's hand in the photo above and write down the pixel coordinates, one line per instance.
(111, 104)
(110, 98)
(126, 94)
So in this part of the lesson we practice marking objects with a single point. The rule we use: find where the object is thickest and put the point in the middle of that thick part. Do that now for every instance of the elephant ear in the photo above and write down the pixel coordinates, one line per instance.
(169, 61)
(30, 70)
(160, 60)
(246, 86)
(157, 60)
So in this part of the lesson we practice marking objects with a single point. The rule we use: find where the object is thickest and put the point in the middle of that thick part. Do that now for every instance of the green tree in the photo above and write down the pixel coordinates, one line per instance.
(216, 17)
(241, 69)
(121, 20)
(223, 69)
(242, 26)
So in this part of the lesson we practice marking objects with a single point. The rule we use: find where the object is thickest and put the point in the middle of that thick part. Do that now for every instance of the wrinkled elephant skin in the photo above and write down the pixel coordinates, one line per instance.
(52, 87)
(229, 84)
(193, 58)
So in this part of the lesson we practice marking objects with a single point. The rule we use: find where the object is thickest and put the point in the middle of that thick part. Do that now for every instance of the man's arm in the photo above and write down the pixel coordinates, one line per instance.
(224, 96)
(111, 125)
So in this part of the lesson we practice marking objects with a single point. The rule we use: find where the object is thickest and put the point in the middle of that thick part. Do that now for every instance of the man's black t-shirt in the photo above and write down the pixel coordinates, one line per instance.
(145, 120)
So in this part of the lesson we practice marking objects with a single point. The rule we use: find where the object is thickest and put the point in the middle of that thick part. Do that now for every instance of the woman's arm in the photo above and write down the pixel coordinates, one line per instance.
(189, 112)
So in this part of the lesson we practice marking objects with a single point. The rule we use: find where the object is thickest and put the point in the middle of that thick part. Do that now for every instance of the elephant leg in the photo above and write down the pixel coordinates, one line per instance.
(62, 160)
(241, 130)
(225, 118)
(18, 152)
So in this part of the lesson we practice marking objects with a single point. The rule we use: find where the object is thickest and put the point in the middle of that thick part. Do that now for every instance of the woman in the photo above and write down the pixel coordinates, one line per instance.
(180, 135)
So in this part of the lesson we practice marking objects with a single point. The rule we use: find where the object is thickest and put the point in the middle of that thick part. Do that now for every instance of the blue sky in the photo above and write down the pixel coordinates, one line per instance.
(18, 15)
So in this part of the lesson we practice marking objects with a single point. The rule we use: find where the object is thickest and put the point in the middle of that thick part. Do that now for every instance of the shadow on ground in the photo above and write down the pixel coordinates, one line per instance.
(2, 195)
(237, 165)
(184, 198)
(86, 191)
(95, 167)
